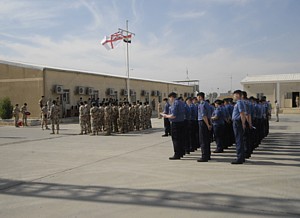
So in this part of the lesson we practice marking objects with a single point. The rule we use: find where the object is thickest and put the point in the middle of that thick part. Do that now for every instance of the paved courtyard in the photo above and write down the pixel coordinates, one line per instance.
(69, 175)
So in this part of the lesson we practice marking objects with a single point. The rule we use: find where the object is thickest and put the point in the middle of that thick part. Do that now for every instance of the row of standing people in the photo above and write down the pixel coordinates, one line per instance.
(195, 123)
(114, 117)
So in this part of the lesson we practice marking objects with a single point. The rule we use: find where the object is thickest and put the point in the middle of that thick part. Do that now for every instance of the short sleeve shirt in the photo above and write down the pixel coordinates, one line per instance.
(177, 110)
(237, 109)
(204, 110)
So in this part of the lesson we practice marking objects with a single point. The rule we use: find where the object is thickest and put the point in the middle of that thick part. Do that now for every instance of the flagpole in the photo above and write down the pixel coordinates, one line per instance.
(128, 82)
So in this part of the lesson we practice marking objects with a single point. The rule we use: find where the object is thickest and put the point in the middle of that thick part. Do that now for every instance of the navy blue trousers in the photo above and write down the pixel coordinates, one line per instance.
(219, 133)
(177, 129)
(204, 139)
(167, 126)
(238, 133)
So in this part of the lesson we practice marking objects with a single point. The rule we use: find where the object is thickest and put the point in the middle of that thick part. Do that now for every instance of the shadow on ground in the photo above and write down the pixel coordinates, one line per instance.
(154, 198)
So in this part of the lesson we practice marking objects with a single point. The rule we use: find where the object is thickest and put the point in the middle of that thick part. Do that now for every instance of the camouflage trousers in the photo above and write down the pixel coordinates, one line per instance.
(142, 123)
(83, 124)
(55, 122)
(137, 124)
(16, 121)
(89, 126)
(24, 120)
(108, 126)
(115, 125)
(121, 123)
(101, 124)
(94, 125)
(131, 124)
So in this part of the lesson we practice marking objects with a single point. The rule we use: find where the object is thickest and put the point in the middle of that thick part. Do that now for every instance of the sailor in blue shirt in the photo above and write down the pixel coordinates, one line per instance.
(218, 125)
(196, 125)
(239, 119)
(266, 115)
(262, 114)
(176, 117)
(204, 115)
(247, 130)
(167, 124)
(254, 135)
(229, 135)
(188, 125)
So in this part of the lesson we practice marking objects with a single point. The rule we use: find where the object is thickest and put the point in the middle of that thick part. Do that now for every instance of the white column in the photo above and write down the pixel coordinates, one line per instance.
(278, 94)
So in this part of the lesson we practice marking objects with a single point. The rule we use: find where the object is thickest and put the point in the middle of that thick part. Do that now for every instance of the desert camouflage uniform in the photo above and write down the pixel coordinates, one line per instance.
(131, 118)
(44, 115)
(24, 115)
(94, 115)
(16, 113)
(54, 116)
(126, 118)
(82, 119)
(107, 118)
(115, 116)
(121, 120)
(142, 117)
(148, 117)
(137, 117)
(88, 118)
(101, 119)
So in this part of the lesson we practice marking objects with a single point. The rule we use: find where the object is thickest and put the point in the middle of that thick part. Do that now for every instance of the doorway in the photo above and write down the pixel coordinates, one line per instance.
(295, 99)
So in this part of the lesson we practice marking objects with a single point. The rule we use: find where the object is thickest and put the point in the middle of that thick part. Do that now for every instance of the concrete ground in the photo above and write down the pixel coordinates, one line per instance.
(69, 175)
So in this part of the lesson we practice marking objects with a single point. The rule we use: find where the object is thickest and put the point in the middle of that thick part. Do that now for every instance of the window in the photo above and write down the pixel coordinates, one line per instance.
(288, 95)
(66, 96)
(259, 95)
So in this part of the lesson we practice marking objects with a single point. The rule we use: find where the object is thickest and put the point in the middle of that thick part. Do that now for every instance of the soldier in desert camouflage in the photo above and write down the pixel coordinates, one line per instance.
(54, 117)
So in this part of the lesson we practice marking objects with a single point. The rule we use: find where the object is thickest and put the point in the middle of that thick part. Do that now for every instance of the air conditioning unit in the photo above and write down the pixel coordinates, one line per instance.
(58, 89)
(80, 90)
(89, 91)
(110, 91)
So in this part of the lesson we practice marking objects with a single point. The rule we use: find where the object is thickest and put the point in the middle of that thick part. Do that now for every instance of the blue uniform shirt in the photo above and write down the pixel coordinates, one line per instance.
(177, 110)
(247, 107)
(187, 112)
(259, 111)
(212, 108)
(225, 113)
(196, 110)
(193, 112)
(220, 115)
(237, 109)
(167, 108)
(230, 109)
(204, 110)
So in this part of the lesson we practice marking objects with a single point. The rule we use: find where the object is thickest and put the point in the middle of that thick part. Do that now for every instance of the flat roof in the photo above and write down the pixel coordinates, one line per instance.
(40, 67)
(272, 78)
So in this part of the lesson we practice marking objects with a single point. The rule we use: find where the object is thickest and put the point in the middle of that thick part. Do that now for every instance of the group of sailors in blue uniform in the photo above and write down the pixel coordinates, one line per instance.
(194, 123)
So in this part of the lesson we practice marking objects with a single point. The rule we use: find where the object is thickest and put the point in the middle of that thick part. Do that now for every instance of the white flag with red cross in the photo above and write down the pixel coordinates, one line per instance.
(112, 41)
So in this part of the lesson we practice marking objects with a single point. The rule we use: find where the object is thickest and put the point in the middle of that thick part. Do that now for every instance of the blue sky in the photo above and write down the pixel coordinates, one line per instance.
(213, 39)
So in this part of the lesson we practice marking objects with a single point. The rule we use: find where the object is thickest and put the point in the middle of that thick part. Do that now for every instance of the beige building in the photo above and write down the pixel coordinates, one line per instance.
(285, 88)
(27, 83)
